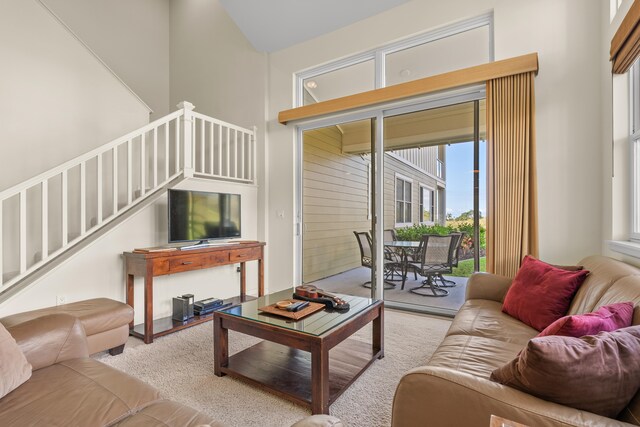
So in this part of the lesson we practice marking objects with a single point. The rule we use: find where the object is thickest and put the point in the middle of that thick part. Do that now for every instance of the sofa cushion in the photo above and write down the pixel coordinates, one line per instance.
(165, 413)
(606, 319)
(484, 318)
(541, 293)
(14, 368)
(603, 272)
(596, 373)
(476, 356)
(81, 392)
(625, 289)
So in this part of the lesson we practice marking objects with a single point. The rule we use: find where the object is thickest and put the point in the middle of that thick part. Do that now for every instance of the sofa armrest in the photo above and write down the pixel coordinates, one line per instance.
(50, 339)
(447, 397)
(487, 286)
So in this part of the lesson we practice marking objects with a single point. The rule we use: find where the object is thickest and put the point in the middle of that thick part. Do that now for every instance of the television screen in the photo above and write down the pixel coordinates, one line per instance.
(199, 215)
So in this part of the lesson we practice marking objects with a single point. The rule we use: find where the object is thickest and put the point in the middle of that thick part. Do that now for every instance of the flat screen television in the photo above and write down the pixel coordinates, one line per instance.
(203, 216)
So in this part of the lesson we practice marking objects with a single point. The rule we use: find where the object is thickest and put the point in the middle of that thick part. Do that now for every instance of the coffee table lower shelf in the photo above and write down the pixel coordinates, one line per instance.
(286, 371)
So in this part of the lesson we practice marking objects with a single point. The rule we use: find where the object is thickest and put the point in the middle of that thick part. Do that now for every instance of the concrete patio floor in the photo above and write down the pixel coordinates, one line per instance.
(350, 282)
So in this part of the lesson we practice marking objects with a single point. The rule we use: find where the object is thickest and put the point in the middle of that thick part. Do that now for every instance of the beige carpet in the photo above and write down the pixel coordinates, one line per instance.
(181, 367)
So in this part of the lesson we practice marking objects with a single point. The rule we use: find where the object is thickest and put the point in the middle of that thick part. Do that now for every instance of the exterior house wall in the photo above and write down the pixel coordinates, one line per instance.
(336, 200)
(394, 167)
(336, 204)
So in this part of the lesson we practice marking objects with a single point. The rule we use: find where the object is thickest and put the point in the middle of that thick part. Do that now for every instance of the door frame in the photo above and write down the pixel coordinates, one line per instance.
(379, 113)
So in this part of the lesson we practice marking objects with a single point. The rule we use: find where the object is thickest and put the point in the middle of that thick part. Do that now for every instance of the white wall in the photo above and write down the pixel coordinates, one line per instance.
(131, 37)
(212, 66)
(98, 270)
(55, 95)
(565, 34)
(215, 67)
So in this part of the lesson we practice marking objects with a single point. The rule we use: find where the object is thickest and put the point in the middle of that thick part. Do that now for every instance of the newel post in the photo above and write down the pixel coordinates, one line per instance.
(187, 137)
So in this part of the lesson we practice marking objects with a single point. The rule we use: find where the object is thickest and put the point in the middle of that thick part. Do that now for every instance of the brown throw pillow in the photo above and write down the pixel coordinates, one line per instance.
(14, 368)
(596, 373)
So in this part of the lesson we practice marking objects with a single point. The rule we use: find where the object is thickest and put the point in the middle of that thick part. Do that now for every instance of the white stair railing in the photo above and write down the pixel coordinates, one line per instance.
(45, 216)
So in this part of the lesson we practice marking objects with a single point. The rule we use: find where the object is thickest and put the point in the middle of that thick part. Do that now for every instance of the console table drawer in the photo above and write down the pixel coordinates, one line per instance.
(185, 263)
(244, 254)
(221, 257)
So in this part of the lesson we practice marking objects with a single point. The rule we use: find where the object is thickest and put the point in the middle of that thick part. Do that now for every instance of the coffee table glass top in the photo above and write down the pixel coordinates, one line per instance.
(315, 324)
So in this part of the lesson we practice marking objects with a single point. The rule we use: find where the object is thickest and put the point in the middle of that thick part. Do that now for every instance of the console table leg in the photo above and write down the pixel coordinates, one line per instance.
(148, 306)
(261, 276)
(221, 346)
(130, 294)
(320, 380)
(243, 281)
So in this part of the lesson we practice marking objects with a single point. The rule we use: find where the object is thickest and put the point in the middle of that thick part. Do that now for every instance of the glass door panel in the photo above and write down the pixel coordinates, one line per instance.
(337, 201)
(434, 184)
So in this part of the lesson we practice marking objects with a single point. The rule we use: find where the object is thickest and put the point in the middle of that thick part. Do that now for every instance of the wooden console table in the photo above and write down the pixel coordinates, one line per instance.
(152, 264)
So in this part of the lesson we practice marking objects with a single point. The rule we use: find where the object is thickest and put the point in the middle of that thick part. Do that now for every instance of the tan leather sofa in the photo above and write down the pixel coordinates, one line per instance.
(67, 388)
(453, 388)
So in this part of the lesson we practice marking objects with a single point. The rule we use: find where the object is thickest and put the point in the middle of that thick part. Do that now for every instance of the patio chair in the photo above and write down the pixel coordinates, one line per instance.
(395, 255)
(435, 259)
(458, 237)
(366, 260)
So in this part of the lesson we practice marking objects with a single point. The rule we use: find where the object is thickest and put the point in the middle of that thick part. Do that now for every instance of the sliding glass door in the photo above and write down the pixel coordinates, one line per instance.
(362, 216)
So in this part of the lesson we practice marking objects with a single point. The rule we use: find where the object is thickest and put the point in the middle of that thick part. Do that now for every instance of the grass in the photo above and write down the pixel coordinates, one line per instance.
(465, 268)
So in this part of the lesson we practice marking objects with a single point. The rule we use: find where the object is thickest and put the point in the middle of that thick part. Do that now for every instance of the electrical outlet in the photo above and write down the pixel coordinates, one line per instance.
(61, 299)
(238, 269)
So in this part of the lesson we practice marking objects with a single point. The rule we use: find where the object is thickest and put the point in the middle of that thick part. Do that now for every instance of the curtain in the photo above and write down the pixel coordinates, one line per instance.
(512, 225)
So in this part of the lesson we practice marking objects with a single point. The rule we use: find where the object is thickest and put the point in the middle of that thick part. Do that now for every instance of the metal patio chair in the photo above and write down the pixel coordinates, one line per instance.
(435, 259)
(366, 260)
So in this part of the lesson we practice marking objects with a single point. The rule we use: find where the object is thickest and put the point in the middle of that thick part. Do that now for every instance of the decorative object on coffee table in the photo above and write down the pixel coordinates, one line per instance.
(295, 315)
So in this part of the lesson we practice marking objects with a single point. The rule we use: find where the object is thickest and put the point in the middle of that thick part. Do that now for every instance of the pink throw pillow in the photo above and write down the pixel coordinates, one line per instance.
(540, 293)
(606, 319)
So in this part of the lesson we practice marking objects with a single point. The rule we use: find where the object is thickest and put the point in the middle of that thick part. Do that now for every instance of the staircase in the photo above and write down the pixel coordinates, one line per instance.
(45, 217)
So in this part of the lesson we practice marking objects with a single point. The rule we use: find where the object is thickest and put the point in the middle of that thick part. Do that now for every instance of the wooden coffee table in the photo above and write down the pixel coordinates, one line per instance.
(311, 361)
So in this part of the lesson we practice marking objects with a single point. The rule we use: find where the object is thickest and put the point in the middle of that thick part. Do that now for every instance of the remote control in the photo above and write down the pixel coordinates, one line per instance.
(301, 305)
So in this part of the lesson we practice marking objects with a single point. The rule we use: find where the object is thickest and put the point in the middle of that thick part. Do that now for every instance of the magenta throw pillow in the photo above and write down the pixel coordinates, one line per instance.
(540, 293)
(605, 319)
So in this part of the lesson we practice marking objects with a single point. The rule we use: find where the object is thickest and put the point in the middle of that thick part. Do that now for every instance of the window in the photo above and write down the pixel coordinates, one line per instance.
(427, 205)
(458, 45)
(403, 200)
(614, 5)
(634, 140)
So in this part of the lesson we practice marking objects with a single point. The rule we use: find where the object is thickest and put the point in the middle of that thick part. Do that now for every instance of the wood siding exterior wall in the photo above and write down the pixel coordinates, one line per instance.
(335, 203)
(336, 199)
(392, 167)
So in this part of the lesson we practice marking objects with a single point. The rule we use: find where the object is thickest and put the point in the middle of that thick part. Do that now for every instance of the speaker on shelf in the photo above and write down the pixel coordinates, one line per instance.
(183, 308)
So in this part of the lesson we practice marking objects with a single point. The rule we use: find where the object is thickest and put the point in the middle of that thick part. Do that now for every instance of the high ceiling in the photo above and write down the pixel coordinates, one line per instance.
(271, 25)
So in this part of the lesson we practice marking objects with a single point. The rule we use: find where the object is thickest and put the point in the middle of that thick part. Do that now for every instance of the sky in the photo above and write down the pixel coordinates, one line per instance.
(459, 174)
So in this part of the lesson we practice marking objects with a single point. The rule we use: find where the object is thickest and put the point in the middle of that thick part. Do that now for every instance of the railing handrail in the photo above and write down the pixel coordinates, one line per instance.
(12, 191)
(155, 162)
(220, 122)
